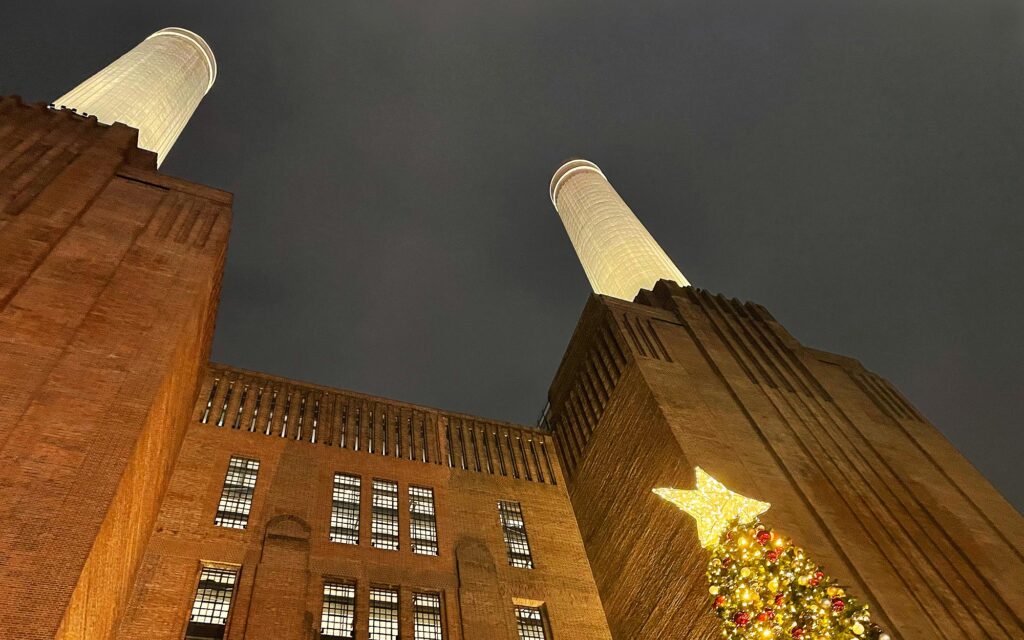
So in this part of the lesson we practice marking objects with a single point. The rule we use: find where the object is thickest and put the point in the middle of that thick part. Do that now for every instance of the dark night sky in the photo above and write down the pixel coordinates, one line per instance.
(854, 166)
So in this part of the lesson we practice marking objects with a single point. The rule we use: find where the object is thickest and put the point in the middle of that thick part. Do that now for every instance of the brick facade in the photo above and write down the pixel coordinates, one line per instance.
(116, 436)
(285, 553)
(108, 290)
(683, 378)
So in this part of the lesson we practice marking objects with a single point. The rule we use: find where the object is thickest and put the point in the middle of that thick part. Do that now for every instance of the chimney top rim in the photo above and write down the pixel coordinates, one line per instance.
(569, 167)
(199, 42)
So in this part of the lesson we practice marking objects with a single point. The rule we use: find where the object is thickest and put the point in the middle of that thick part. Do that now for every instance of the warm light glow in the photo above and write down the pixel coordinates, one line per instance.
(763, 587)
(713, 506)
(618, 254)
(154, 88)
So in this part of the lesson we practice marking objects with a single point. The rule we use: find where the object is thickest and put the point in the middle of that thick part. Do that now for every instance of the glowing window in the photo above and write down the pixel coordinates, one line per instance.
(236, 496)
(212, 604)
(384, 528)
(338, 616)
(422, 521)
(426, 616)
(383, 613)
(513, 528)
(345, 509)
(530, 623)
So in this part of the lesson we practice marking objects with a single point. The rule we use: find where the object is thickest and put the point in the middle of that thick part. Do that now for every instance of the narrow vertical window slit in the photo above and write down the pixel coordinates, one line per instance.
(209, 402)
(237, 424)
(256, 410)
(224, 405)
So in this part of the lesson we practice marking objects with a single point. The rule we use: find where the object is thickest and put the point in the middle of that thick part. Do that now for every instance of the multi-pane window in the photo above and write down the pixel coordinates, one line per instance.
(236, 497)
(211, 605)
(345, 509)
(426, 616)
(337, 619)
(383, 613)
(422, 521)
(384, 528)
(530, 623)
(514, 530)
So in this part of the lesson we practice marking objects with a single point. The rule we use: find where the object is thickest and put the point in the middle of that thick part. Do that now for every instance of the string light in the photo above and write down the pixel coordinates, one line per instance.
(713, 506)
(762, 586)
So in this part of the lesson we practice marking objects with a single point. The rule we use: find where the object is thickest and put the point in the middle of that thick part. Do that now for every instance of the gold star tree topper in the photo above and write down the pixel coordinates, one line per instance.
(713, 506)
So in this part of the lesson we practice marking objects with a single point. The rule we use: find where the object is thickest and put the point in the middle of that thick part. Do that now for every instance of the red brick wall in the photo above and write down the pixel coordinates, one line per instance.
(283, 565)
(682, 378)
(108, 291)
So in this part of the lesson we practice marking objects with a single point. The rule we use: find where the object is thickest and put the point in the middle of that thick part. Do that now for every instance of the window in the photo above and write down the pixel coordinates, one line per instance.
(211, 605)
(236, 497)
(383, 614)
(422, 521)
(426, 616)
(337, 619)
(384, 530)
(345, 509)
(514, 529)
(530, 623)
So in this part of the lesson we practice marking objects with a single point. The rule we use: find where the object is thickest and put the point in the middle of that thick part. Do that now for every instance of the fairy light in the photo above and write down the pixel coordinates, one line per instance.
(713, 506)
(762, 586)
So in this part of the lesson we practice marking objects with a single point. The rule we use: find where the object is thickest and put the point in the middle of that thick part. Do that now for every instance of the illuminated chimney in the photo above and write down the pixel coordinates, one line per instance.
(154, 88)
(618, 255)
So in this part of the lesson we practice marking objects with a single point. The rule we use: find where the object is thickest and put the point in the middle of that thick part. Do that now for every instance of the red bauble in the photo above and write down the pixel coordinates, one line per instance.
(813, 582)
(726, 561)
(838, 604)
(772, 555)
(742, 618)
(769, 613)
(819, 574)
(719, 601)
(761, 617)
(763, 537)
(797, 632)
(779, 599)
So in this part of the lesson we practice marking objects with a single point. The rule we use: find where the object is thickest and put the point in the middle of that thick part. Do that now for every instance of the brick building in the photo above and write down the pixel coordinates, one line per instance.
(365, 514)
(148, 493)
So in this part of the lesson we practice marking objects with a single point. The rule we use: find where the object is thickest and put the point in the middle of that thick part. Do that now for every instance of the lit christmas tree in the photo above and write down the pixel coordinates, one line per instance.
(762, 586)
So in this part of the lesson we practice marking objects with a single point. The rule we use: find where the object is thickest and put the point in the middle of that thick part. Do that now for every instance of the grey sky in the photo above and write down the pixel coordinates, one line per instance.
(855, 167)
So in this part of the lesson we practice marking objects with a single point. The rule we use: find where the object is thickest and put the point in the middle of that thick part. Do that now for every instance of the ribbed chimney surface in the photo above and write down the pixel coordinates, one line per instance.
(618, 254)
(155, 88)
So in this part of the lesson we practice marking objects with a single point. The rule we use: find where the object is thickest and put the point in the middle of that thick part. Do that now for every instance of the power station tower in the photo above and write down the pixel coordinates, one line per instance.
(661, 377)
(618, 254)
(121, 266)
(154, 88)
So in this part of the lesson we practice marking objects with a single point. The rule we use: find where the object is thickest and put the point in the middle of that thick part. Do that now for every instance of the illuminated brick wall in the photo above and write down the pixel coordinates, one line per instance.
(109, 282)
(303, 436)
(683, 378)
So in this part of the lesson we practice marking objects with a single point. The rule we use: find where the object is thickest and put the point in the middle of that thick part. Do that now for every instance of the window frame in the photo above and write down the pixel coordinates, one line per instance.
(515, 536)
(397, 608)
(344, 535)
(440, 629)
(428, 546)
(235, 571)
(541, 611)
(381, 516)
(331, 581)
(231, 519)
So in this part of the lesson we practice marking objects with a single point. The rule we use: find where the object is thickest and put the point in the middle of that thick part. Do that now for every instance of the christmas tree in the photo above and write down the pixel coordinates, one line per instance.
(762, 586)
